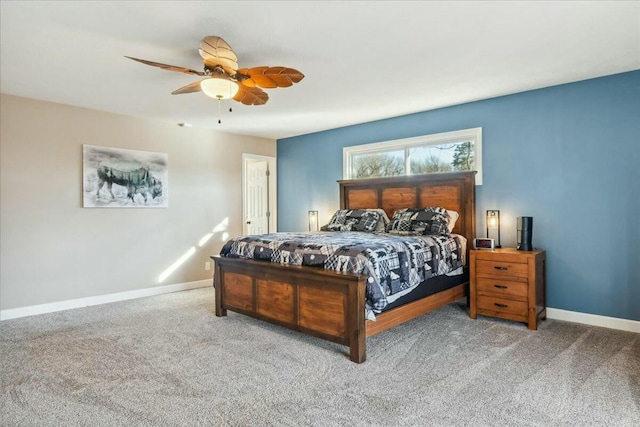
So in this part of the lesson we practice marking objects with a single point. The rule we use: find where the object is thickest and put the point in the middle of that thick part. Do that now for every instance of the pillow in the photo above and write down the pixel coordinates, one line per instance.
(383, 221)
(413, 222)
(453, 217)
(353, 220)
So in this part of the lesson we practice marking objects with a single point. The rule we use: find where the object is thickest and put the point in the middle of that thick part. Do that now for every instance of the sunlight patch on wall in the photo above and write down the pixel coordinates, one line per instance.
(220, 228)
(224, 224)
(204, 239)
(173, 267)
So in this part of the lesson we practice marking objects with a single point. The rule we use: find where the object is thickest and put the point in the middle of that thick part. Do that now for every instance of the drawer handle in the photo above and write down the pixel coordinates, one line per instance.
(500, 286)
(501, 305)
(498, 267)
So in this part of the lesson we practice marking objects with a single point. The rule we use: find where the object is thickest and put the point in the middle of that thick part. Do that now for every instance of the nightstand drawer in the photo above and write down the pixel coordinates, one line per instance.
(498, 287)
(502, 269)
(502, 305)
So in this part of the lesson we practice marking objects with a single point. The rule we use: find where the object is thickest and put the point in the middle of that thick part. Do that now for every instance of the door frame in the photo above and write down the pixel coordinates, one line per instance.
(273, 196)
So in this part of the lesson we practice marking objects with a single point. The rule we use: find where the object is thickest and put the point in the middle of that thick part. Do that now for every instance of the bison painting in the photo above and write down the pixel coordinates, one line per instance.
(137, 181)
(116, 177)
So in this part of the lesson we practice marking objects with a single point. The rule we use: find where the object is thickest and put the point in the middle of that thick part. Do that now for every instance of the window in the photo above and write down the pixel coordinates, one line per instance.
(443, 152)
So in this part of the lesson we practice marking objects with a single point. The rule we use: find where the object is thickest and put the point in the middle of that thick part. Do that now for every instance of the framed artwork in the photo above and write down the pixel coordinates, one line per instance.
(121, 178)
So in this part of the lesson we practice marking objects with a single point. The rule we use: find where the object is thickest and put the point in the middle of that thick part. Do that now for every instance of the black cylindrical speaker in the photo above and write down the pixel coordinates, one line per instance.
(525, 231)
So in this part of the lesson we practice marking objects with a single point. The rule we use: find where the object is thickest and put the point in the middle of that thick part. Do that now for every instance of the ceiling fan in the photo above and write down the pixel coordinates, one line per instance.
(223, 79)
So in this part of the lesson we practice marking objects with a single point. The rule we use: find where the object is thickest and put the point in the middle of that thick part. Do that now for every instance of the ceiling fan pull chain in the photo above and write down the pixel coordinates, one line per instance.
(219, 102)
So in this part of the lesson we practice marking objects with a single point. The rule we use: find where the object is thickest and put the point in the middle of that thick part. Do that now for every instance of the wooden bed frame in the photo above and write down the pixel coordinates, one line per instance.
(331, 305)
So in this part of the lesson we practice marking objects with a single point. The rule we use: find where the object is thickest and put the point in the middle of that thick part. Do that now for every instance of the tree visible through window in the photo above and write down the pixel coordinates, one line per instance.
(463, 157)
(446, 152)
(380, 164)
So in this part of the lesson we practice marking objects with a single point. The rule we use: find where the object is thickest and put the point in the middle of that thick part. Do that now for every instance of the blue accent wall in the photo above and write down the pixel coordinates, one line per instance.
(568, 155)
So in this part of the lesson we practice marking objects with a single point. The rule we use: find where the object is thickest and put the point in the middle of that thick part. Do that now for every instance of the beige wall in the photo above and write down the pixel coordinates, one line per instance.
(52, 249)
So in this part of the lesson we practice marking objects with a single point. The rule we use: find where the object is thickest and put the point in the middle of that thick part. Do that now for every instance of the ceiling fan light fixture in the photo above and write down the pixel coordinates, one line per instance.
(222, 75)
(219, 87)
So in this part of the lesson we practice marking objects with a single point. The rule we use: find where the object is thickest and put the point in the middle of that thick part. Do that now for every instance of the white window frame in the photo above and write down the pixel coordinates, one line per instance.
(473, 134)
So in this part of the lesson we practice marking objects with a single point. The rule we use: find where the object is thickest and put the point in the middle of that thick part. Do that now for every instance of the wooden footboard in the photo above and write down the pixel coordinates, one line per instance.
(325, 304)
(322, 303)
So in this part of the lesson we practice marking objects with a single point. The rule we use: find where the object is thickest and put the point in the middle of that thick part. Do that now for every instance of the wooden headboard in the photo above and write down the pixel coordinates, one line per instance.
(452, 190)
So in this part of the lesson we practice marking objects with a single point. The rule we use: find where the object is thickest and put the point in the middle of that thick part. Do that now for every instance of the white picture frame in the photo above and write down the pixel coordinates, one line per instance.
(123, 178)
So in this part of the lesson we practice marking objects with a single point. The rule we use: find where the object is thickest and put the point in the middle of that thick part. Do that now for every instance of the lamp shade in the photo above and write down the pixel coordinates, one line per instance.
(219, 87)
(492, 221)
(493, 225)
(313, 220)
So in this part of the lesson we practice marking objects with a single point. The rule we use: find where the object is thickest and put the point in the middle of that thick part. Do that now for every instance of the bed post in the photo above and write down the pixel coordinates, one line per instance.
(357, 333)
(217, 285)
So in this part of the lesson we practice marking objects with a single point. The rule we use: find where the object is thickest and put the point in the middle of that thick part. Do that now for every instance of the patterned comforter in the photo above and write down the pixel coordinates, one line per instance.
(395, 264)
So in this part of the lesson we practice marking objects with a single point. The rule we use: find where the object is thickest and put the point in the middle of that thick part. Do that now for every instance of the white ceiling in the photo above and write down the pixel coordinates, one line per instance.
(363, 60)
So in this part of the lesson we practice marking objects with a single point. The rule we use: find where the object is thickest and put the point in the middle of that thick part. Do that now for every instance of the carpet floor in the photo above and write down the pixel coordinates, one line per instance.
(168, 361)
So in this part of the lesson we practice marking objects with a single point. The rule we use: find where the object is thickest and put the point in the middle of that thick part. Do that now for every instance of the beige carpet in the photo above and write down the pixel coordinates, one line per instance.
(167, 360)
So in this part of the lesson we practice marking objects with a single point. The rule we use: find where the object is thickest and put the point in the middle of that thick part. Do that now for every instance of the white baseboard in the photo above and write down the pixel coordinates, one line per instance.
(32, 310)
(594, 320)
(14, 313)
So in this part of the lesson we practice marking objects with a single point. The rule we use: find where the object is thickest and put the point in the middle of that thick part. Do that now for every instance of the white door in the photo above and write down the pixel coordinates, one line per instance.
(257, 197)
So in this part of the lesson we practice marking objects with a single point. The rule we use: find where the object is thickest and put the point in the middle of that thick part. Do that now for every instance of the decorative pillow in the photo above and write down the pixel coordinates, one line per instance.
(353, 220)
(412, 222)
(383, 221)
(453, 217)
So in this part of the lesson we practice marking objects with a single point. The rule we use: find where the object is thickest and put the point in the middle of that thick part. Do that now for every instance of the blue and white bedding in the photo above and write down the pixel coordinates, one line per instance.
(394, 264)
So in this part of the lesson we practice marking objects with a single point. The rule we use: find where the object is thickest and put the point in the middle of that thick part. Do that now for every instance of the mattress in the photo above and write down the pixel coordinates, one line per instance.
(394, 264)
(429, 287)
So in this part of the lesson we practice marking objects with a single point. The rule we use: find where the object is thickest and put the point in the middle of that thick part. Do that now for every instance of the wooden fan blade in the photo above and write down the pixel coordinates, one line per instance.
(283, 76)
(168, 67)
(215, 51)
(246, 81)
(271, 77)
(251, 95)
(190, 88)
(260, 79)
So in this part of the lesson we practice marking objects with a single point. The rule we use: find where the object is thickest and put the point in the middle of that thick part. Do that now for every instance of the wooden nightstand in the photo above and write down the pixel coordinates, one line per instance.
(509, 284)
